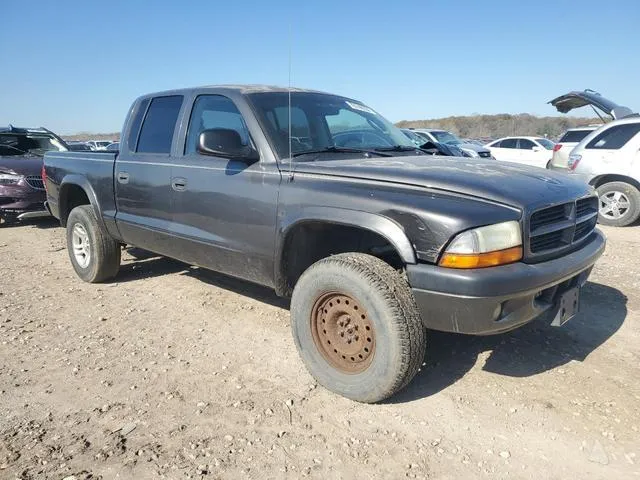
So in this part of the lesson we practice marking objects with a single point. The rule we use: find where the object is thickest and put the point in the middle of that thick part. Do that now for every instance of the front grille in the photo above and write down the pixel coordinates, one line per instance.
(35, 182)
(549, 216)
(586, 206)
(485, 154)
(557, 228)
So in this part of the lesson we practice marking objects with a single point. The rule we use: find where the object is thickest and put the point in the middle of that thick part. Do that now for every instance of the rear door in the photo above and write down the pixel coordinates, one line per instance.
(613, 150)
(143, 174)
(529, 154)
(505, 150)
(224, 211)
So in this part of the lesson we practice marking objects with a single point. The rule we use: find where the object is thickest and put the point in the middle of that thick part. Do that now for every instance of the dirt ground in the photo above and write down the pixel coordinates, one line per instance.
(175, 372)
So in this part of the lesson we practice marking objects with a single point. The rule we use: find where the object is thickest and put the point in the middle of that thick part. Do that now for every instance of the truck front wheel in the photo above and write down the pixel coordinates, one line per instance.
(95, 256)
(357, 327)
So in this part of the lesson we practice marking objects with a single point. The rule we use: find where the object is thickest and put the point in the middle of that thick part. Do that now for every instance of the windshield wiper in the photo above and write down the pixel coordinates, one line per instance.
(397, 148)
(24, 152)
(334, 149)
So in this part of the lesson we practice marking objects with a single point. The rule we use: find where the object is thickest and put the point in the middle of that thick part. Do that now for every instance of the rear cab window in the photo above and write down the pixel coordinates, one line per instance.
(615, 137)
(156, 134)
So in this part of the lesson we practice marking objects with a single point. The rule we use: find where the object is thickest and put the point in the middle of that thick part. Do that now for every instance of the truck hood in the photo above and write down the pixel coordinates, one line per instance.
(21, 165)
(518, 186)
(569, 101)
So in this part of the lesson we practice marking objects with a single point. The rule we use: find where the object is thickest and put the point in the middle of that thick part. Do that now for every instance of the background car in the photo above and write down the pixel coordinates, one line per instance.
(78, 147)
(113, 147)
(99, 144)
(534, 151)
(565, 144)
(437, 148)
(448, 138)
(609, 159)
(22, 193)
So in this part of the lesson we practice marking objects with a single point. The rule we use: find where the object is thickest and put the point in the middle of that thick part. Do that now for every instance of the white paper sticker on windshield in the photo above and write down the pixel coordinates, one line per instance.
(362, 108)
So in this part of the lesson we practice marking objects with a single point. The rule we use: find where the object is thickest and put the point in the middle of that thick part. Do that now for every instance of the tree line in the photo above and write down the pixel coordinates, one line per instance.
(502, 125)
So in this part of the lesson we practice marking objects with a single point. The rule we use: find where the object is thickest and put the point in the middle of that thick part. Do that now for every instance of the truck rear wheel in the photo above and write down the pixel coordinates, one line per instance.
(619, 204)
(357, 327)
(95, 256)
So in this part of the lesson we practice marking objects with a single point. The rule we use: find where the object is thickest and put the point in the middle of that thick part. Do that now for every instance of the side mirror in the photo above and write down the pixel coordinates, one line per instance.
(226, 143)
(536, 149)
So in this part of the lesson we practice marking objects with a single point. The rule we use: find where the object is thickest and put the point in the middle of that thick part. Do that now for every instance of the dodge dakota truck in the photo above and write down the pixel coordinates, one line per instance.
(322, 199)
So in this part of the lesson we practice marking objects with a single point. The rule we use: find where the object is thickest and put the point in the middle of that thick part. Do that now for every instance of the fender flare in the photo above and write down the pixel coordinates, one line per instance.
(383, 226)
(75, 180)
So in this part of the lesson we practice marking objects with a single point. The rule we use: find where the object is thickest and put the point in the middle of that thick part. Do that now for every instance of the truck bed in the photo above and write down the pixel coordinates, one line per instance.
(95, 172)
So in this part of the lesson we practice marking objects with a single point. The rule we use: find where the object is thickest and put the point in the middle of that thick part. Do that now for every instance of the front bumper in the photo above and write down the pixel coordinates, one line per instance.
(17, 200)
(498, 299)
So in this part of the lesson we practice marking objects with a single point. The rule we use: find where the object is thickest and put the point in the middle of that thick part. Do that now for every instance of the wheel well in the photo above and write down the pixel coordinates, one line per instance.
(599, 181)
(71, 197)
(309, 242)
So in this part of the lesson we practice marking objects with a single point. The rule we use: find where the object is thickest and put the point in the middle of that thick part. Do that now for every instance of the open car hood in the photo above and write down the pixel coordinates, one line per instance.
(566, 103)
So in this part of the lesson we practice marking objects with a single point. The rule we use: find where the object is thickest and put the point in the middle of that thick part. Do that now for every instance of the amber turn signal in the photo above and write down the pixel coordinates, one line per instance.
(481, 260)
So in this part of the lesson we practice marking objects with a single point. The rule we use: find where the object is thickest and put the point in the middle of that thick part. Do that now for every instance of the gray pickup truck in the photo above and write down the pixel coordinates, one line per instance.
(320, 198)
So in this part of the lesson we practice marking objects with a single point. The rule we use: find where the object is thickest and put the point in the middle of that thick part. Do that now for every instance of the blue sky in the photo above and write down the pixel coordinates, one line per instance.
(77, 65)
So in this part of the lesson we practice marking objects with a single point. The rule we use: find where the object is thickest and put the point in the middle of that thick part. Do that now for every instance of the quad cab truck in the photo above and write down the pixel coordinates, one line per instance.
(374, 240)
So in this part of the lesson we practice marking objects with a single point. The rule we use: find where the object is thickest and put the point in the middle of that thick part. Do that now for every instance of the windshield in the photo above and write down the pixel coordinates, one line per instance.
(16, 144)
(446, 137)
(547, 144)
(320, 121)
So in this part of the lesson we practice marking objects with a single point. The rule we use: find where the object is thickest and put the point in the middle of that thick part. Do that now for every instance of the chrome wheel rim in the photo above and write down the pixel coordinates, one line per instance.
(81, 247)
(614, 205)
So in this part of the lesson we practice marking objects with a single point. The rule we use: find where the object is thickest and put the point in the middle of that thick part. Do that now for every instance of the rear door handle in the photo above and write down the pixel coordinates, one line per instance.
(123, 177)
(179, 184)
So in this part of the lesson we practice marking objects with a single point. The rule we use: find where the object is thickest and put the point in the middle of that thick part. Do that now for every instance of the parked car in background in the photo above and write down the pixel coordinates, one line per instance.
(22, 192)
(79, 147)
(437, 148)
(113, 147)
(534, 151)
(448, 138)
(608, 158)
(565, 144)
(373, 241)
(99, 144)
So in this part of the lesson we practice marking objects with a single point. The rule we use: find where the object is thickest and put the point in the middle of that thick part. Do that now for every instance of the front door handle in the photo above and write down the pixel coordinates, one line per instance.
(123, 177)
(179, 184)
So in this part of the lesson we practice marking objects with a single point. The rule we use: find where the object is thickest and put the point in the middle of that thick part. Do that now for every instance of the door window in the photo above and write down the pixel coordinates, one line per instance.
(509, 143)
(525, 144)
(214, 111)
(156, 134)
(615, 137)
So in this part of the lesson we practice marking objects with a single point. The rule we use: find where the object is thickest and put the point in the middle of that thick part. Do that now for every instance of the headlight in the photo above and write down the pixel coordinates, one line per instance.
(471, 153)
(488, 246)
(10, 178)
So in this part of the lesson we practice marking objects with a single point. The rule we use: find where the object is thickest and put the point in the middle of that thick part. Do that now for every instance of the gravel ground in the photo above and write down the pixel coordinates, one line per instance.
(175, 372)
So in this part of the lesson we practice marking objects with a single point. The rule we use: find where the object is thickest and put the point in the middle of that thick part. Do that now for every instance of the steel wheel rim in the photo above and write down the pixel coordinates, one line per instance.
(81, 247)
(614, 205)
(343, 332)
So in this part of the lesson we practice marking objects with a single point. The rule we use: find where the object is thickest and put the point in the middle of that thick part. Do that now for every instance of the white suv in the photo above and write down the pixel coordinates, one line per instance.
(570, 139)
(608, 158)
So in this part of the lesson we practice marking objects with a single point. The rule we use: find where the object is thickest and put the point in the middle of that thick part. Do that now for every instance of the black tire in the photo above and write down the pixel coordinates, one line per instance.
(385, 295)
(104, 259)
(630, 214)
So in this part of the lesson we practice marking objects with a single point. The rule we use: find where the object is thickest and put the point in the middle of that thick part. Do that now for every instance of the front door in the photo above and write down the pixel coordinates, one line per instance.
(224, 211)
